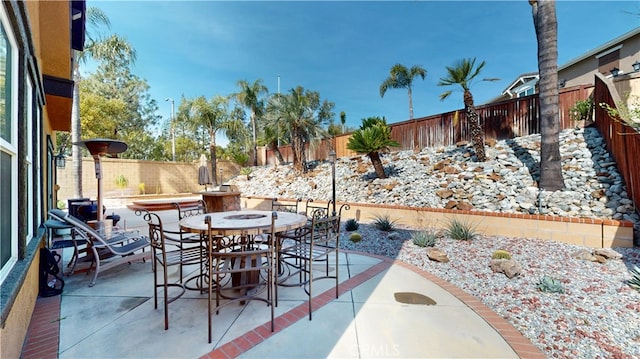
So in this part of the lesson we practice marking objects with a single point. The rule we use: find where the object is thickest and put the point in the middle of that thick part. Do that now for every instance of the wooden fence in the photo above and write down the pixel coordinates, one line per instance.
(623, 142)
(501, 120)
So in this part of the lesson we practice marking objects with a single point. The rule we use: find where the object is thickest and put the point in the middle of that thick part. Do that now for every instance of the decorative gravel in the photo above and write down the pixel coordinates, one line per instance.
(597, 316)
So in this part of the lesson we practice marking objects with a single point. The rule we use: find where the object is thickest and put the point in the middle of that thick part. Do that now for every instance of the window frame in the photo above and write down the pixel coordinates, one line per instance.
(10, 147)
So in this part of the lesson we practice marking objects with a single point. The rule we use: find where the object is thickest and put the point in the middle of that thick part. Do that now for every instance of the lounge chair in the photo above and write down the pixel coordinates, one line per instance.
(108, 251)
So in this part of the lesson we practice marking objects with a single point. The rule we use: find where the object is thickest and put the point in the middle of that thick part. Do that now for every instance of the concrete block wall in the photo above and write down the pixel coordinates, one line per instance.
(158, 177)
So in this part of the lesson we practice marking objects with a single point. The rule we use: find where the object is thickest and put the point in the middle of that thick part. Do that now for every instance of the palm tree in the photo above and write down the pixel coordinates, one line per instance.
(250, 96)
(111, 49)
(373, 136)
(271, 138)
(463, 73)
(301, 115)
(401, 77)
(213, 116)
(343, 120)
(546, 24)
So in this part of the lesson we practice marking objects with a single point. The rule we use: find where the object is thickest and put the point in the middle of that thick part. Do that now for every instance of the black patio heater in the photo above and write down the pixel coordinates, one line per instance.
(99, 147)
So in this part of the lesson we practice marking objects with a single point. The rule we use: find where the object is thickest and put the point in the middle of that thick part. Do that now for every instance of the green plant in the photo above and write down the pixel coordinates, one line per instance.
(245, 171)
(240, 158)
(550, 285)
(628, 115)
(501, 254)
(634, 282)
(384, 222)
(351, 225)
(461, 230)
(355, 237)
(122, 182)
(424, 239)
(581, 110)
(141, 188)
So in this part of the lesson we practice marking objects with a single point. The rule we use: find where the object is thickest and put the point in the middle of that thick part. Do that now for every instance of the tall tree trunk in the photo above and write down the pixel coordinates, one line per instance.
(415, 122)
(255, 138)
(546, 25)
(477, 135)
(214, 165)
(76, 135)
(277, 153)
(377, 164)
(298, 148)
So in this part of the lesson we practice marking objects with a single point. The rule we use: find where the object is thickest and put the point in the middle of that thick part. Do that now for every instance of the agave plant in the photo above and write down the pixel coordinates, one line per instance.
(461, 230)
(550, 285)
(384, 222)
(351, 225)
(424, 239)
(634, 282)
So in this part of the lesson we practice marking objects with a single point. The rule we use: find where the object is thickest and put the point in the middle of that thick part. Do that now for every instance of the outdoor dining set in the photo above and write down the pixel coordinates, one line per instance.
(238, 256)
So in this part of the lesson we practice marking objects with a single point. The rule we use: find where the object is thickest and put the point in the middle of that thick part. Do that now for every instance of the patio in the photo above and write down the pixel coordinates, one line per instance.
(116, 318)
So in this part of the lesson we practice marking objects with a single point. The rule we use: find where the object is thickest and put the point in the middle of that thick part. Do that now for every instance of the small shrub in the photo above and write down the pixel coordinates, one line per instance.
(240, 158)
(351, 225)
(245, 171)
(501, 254)
(581, 110)
(141, 188)
(122, 182)
(550, 285)
(385, 223)
(424, 239)
(355, 237)
(461, 230)
(634, 282)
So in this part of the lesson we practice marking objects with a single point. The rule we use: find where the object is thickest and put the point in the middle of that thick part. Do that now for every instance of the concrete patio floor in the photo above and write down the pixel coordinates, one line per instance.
(116, 318)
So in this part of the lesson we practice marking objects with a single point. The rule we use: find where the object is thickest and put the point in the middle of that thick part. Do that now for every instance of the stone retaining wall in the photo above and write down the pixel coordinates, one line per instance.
(594, 233)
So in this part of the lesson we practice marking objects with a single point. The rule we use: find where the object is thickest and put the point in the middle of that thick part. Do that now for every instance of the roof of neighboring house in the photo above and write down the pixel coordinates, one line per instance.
(602, 48)
(520, 81)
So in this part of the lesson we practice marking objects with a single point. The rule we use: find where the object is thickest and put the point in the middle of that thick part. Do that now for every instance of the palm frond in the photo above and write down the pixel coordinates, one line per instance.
(444, 95)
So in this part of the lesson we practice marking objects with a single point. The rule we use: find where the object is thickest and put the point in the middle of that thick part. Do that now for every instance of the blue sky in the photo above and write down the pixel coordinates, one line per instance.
(344, 49)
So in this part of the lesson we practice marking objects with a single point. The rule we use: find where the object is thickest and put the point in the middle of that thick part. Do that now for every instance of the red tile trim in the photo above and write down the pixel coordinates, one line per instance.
(519, 343)
(43, 336)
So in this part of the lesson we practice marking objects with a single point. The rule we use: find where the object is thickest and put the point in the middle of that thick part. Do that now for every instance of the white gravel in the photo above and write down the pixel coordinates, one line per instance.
(598, 315)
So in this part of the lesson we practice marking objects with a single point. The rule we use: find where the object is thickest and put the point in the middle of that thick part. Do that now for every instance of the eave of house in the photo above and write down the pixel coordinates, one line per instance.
(618, 40)
(61, 28)
(522, 79)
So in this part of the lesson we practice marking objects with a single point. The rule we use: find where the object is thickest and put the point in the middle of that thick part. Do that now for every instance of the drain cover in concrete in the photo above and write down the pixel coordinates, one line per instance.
(413, 298)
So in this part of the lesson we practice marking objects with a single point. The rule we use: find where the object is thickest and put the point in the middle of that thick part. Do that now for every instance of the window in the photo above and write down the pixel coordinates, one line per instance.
(8, 149)
(608, 60)
(28, 161)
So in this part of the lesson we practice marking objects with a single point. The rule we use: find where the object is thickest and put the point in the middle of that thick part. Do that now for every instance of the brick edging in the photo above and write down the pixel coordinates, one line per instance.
(519, 343)
(43, 336)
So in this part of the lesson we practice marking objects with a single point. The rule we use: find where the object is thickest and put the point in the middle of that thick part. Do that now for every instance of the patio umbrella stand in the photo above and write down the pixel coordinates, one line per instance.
(204, 177)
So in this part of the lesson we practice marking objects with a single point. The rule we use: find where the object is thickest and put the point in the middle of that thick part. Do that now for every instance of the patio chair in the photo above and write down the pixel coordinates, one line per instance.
(56, 222)
(179, 237)
(241, 268)
(322, 242)
(188, 211)
(107, 251)
(168, 253)
(285, 207)
(317, 210)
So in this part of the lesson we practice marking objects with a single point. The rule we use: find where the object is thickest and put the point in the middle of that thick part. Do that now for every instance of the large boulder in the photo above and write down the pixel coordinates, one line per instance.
(438, 255)
(509, 267)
